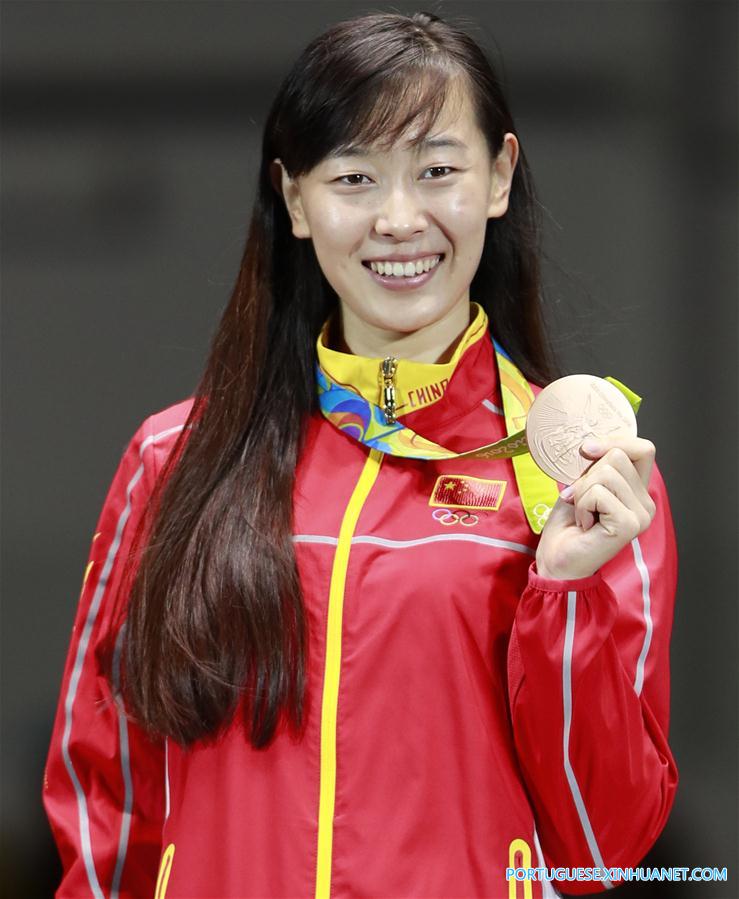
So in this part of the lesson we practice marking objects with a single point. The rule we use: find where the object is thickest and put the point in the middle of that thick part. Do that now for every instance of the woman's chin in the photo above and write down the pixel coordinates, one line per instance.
(403, 314)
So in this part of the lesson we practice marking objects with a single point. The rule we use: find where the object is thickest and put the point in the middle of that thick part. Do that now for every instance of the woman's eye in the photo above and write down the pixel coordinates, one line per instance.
(343, 179)
(444, 169)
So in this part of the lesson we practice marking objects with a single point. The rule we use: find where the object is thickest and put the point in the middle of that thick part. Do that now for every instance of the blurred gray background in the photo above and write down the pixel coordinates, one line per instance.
(130, 141)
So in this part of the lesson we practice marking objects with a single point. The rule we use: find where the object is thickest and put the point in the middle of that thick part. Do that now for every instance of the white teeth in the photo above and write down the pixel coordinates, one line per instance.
(405, 269)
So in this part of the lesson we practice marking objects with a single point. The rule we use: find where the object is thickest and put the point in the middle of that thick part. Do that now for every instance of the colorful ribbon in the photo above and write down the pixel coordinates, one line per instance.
(365, 421)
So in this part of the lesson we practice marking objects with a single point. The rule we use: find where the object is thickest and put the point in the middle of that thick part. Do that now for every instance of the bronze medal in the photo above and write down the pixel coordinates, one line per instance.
(569, 411)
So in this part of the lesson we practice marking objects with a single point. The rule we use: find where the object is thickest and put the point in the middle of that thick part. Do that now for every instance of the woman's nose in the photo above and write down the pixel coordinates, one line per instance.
(400, 215)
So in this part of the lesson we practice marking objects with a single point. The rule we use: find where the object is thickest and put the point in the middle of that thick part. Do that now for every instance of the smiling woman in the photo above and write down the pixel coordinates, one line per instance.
(425, 232)
(320, 650)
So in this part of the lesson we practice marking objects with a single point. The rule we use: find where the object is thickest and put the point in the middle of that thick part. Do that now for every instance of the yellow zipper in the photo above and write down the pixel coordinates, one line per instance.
(331, 673)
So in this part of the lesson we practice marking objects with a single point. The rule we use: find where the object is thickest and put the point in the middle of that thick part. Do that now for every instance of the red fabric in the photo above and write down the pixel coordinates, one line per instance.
(451, 725)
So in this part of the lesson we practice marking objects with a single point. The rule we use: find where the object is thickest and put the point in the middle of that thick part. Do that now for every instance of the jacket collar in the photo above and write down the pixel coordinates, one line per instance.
(428, 393)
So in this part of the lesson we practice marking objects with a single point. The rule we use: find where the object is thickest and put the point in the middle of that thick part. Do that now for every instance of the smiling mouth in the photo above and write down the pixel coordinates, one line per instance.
(400, 270)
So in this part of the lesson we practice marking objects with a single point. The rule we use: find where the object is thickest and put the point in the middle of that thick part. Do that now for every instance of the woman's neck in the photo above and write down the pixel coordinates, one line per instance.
(434, 343)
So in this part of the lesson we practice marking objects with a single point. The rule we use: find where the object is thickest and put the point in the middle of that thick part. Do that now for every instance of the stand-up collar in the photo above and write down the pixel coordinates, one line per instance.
(448, 387)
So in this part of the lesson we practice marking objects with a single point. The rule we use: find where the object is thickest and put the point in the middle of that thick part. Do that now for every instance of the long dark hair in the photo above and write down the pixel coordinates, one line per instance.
(214, 615)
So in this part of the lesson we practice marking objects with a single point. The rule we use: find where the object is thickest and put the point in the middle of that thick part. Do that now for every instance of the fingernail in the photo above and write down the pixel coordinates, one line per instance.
(592, 447)
(567, 493)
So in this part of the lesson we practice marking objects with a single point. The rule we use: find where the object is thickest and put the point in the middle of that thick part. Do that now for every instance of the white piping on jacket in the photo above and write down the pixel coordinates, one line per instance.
(125, 769)
(82, 646)
(493, 407)
(155, 438)
(567, 709)
(315, 538)
(648, 626)
(419, 541)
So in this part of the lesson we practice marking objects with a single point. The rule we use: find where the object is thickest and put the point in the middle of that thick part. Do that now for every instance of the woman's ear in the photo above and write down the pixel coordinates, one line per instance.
(502, 176)
(290, 193)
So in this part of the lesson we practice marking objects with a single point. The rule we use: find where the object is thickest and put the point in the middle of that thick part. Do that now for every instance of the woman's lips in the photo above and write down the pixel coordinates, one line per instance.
(391, 282)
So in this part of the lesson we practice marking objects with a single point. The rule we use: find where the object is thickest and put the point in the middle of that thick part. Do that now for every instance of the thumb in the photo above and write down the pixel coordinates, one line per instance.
(563, 513)
(592, 448)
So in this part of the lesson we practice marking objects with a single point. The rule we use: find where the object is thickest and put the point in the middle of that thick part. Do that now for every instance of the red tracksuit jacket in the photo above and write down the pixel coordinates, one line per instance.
(464, 714)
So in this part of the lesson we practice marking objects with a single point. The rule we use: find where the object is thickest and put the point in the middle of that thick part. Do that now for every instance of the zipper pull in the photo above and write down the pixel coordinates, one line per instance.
(387, 372)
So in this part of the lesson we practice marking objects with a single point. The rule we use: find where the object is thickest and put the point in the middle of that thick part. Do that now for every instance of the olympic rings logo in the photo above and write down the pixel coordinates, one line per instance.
(541, 510)
(448, 518)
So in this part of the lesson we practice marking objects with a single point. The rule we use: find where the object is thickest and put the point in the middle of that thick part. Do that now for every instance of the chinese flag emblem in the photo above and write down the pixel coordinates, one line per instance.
(461, 491)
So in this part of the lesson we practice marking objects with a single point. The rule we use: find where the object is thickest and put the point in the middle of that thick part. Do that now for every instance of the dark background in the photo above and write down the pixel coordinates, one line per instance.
(130, 142)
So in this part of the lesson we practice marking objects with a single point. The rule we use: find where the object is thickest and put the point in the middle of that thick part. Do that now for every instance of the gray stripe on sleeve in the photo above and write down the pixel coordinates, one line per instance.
(647, 607)
(567, 708)
(79, 660)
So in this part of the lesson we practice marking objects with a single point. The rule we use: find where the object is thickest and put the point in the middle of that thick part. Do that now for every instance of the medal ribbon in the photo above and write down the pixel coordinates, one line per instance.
(365, 421)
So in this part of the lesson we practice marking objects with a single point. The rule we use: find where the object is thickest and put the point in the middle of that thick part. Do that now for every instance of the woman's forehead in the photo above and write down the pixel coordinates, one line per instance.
(445, 140)
(451, 127)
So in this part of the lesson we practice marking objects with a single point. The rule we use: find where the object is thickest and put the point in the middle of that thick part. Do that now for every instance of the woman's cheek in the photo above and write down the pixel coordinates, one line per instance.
(332, 218)
(331, 224)
(463, 213)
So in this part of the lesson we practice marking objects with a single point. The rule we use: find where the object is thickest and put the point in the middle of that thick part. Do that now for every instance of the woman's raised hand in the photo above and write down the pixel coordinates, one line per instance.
(602, 511)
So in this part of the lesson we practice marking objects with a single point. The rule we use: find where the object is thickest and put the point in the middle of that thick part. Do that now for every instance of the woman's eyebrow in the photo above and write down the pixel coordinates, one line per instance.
(435, 143)
(432, 143)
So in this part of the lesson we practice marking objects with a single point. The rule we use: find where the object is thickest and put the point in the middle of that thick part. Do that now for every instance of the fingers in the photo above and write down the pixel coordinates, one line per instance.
(616, 460)
(618, 511)
(614, 469)
(615, 473)
(616, 519)
(638, 451)
(611, 477)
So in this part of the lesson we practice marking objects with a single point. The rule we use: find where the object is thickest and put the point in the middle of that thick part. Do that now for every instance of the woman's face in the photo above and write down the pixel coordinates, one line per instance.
(375, 217)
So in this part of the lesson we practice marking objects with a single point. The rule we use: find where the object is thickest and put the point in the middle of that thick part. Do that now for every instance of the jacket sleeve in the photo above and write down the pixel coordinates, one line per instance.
(589, 681)
(103, 788)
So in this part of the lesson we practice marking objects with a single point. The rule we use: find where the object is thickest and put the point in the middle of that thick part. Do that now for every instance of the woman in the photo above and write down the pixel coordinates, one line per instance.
(310, 660)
